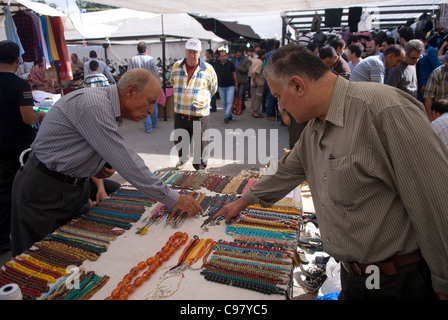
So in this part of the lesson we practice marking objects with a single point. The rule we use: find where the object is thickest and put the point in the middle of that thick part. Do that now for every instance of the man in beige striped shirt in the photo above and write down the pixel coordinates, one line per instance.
(378, 175)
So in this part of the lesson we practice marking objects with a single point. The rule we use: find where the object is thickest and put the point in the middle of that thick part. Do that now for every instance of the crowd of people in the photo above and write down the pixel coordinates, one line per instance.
(414, 63)
(364, 122)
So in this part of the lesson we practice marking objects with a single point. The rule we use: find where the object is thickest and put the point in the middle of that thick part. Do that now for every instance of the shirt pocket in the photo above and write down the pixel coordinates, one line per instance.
(343, 185)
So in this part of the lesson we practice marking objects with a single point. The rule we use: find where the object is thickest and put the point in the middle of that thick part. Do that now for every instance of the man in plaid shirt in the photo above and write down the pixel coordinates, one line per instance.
(436, 87)
(194, 83)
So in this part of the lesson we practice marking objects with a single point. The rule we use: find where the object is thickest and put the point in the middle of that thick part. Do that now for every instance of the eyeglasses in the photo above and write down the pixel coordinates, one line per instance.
(415, 58)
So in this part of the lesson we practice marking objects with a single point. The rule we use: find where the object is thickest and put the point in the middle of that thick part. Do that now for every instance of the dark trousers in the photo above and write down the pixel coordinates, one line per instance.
(9, 165)
(213, 102)
(271, 103)
(187, 123)
(412, 282)
(242, 94)
(41, 204)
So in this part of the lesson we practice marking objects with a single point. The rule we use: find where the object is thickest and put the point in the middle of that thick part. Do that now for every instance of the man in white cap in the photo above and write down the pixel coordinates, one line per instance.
(194, 83)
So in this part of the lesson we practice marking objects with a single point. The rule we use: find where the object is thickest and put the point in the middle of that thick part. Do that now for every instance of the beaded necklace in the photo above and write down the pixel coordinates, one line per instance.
(232, 186)
(212, 182)
(125, 287)
(85, 237)
(197, 248)
(253, 266)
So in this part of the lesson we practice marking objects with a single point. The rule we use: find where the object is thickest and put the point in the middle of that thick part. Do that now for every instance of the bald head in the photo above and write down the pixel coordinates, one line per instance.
(138, 91)
(139, 78)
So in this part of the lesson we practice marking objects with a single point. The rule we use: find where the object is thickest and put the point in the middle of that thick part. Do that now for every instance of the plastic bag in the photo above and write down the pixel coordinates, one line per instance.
(333, 282)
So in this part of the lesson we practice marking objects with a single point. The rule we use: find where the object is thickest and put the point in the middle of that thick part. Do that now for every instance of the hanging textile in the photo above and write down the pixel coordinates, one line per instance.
(42, 40)
(43, 24)
(52, 47)
(11, 31)
(28, 37)
(65, 67)
(443, 20)
(333, 17)
(315, 24)
(365, 24)
(354, 16)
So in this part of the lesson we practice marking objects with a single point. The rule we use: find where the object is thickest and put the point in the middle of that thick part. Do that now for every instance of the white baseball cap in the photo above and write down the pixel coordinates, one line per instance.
(193, 44)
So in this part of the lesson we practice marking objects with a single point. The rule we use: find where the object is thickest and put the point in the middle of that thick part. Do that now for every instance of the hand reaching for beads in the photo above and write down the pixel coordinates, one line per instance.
(233, 209)
(189, 204)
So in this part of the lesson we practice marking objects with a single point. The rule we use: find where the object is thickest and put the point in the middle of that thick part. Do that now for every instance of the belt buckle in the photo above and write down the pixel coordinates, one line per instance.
(78, 181)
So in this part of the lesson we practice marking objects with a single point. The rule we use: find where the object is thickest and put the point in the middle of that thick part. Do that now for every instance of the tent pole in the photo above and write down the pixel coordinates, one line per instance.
(162, 38)
(105, 45)
(59, 80)
(283, 30)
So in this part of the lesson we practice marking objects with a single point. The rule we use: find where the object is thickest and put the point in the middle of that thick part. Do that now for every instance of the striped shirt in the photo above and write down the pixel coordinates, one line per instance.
(80, 134)
(440, 125)
(193, 98)
(437, 84)
(367, 167)
(143, 61)
(370, 69)
(96, 80)
(102, 68)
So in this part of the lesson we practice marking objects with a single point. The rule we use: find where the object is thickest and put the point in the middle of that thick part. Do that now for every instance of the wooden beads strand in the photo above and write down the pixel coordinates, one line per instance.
(125, 287)
(212, 182)
(254, 267)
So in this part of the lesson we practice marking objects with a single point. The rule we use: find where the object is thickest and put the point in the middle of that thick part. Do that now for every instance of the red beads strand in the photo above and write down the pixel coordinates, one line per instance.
(126, 286)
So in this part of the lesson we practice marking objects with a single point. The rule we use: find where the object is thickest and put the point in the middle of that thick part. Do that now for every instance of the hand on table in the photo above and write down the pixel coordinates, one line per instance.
(189, 204)
(232, 210)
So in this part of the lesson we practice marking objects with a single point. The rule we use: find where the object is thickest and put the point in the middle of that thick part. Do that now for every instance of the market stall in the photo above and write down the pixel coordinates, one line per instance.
(129, 247)
(39, 31)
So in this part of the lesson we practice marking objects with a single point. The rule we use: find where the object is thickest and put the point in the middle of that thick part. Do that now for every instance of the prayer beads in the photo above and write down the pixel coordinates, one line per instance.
(254, 267)
(126, 288)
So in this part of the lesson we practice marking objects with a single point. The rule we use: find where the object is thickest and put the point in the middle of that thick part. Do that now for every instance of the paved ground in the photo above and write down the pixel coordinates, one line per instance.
(155, 148)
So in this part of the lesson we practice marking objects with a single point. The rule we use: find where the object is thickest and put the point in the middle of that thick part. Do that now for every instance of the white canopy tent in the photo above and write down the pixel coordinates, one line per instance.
(151, 21)
(234, 7)
(119, 30)
(265, 16)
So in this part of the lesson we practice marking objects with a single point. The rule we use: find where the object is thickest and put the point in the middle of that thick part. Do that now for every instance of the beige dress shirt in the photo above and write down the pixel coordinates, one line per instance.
(378, 174)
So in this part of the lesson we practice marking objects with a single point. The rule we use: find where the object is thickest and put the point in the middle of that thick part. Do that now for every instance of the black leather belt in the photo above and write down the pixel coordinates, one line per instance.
(57, 175)
(387, 267)
(188, 117)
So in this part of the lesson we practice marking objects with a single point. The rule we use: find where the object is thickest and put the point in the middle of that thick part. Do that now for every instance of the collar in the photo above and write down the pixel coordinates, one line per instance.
(335, 113)
(201, 64)
(115, 102)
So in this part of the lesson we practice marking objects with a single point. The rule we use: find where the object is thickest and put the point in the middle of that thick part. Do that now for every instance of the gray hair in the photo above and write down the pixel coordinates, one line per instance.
(416, 45)
(294, 60)
(139, 77)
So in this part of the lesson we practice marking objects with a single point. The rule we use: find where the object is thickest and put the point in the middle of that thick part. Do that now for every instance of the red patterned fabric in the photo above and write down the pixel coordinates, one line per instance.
(65, 67)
